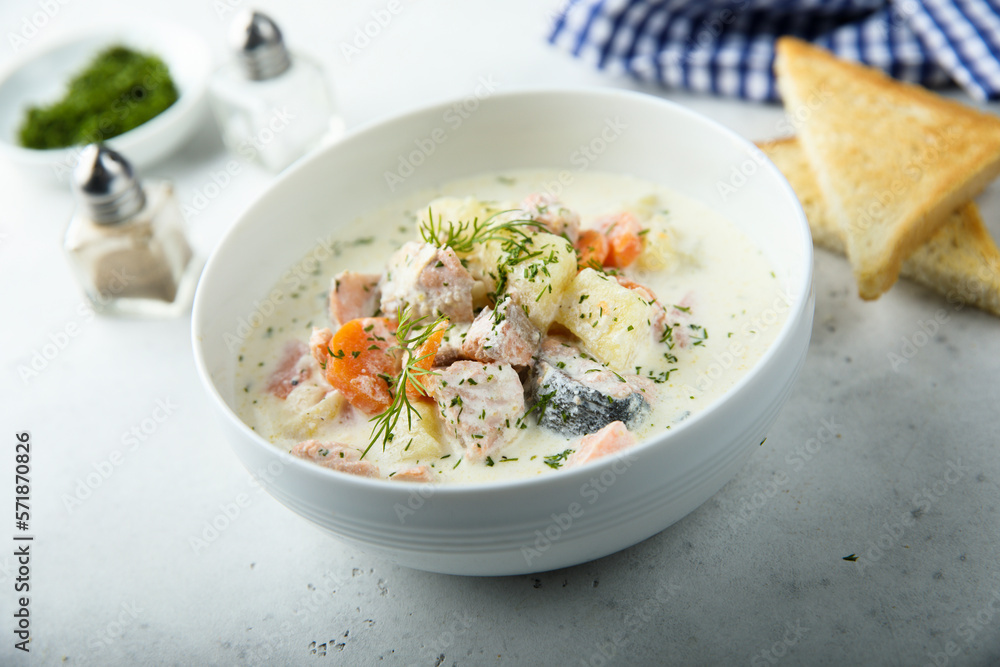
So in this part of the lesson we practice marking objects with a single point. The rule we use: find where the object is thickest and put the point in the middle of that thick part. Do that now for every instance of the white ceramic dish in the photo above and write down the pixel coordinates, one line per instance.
(555, 520)
(41, 76)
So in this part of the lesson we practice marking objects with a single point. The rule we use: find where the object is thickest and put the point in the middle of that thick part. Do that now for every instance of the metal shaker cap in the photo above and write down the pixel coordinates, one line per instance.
(103, 182)
(259, 46)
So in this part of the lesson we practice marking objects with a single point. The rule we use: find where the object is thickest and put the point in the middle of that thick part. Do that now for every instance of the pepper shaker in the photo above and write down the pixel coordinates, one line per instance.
(272, 105)
(126, 240)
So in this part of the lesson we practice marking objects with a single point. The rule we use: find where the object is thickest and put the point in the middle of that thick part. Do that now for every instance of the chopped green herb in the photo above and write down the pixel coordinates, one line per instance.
(556, 460)
(700, 334)
(118, 90)
(410, 336)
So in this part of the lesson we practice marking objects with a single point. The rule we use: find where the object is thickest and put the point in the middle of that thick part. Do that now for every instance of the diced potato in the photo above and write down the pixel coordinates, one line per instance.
(538, 284)
(421, 441)
(657, 252)
(450, 209)
(455, 210)
(303, 412)
(612, 321)
(645, 208)
(482, 264)
(659, 244)
(666, 248)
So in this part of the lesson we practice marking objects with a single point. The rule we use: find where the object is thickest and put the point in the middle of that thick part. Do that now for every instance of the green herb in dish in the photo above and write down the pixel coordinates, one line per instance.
(119, 90)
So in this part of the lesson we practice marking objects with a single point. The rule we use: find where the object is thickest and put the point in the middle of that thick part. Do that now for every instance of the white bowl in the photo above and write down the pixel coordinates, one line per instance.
(41, 77)
(553, 520)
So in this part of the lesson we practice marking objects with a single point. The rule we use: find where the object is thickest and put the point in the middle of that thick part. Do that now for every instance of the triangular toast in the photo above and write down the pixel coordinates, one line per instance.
(892, 160)
(960, 260)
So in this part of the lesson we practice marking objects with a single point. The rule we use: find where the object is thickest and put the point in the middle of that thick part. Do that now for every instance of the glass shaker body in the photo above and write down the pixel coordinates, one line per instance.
(274, 121)
(141, 266)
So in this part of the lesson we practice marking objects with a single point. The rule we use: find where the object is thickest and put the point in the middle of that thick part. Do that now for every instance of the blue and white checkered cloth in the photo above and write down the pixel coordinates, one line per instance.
(726, 47)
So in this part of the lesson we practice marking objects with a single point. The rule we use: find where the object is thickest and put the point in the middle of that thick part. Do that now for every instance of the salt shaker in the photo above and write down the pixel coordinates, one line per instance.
(272, 105)
(126, 240)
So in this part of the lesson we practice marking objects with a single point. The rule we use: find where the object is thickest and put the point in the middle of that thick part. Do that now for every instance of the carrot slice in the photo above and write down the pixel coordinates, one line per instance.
(592, 248)
(425, 353)
(360, 365)
(625, 249)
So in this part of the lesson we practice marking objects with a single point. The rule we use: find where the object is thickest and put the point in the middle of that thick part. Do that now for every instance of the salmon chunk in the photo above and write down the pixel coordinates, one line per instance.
(319, 345)
(480, 405)
(677, 319)
(504, 335)
(451, 345)
(550, 212)
(293, 368)
(673, 317)
(414, 474)
(354, 295)
(573, 394)
(335, 457)
(430, 280)
(618, 224)
(611, 439)
(308, 400)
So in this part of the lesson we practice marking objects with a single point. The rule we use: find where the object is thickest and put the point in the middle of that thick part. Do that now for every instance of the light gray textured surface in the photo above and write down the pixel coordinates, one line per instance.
(898, 466)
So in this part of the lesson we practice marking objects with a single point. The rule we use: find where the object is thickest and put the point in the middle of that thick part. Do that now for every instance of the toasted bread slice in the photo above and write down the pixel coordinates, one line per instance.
(892, 160)
(960, 261)
(788, 156)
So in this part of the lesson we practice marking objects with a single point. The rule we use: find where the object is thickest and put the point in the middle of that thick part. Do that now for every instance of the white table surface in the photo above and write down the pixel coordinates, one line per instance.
(756, 575)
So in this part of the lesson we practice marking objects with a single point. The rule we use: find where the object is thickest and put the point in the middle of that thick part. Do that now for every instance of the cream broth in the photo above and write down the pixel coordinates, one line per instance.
(725, 301)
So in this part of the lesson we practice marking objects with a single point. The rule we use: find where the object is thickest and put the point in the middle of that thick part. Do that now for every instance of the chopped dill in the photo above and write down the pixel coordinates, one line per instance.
(410, 336)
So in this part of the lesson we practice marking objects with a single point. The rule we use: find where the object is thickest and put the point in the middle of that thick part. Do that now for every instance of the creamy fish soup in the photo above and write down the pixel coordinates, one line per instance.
(490, 329)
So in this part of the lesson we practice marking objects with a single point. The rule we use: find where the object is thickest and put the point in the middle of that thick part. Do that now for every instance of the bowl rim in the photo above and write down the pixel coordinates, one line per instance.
(801, 298)
(188, 98)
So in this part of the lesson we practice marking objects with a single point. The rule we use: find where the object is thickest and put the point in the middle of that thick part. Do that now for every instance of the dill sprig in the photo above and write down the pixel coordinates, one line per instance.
(556, 460)
(410, 336)
(463, 236)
